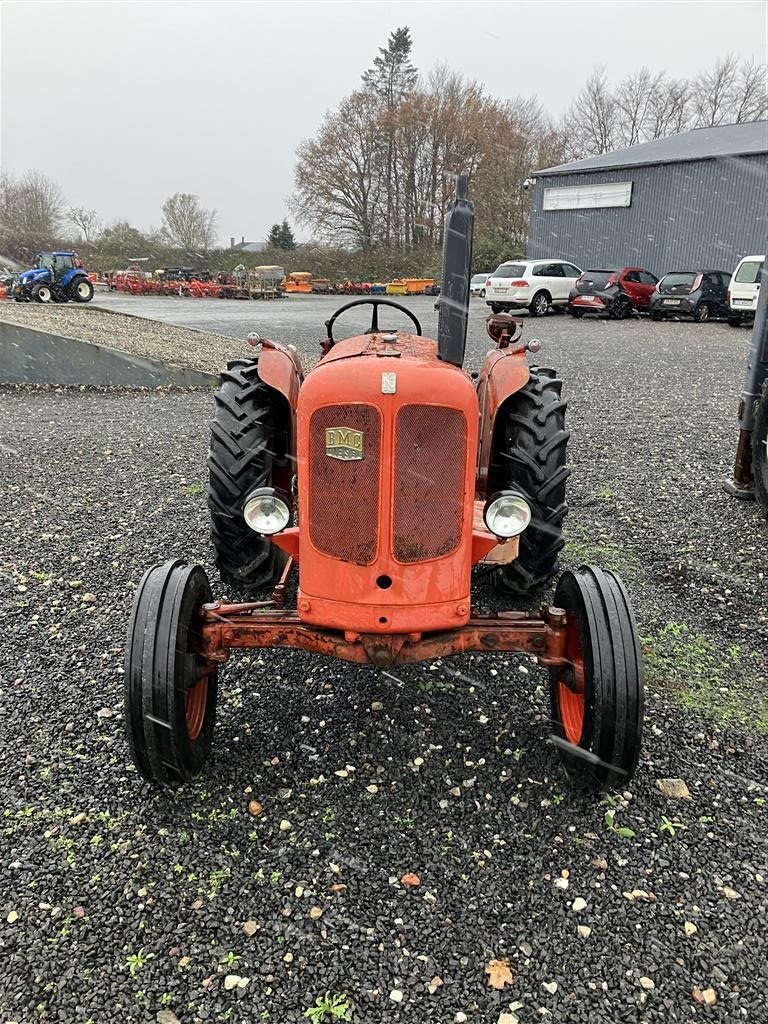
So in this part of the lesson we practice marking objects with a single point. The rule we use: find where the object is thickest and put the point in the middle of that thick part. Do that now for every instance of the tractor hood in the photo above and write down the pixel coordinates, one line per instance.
(28, 276)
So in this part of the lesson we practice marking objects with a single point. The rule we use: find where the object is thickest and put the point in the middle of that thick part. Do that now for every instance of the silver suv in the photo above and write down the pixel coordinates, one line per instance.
(535, 285)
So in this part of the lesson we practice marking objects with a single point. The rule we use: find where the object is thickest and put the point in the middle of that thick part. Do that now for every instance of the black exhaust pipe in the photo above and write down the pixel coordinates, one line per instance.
(453, 303)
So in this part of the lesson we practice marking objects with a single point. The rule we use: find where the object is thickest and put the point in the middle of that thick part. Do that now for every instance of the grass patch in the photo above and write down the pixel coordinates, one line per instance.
(718, 681)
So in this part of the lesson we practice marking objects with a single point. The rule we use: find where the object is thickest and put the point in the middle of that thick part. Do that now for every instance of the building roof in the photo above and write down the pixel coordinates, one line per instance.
(748, 139)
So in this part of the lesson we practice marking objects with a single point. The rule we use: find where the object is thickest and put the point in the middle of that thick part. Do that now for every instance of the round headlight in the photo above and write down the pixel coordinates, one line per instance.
(507, 514)
(266, 511)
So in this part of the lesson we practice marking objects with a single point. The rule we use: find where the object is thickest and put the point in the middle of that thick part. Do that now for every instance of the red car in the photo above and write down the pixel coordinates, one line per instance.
(617, 292)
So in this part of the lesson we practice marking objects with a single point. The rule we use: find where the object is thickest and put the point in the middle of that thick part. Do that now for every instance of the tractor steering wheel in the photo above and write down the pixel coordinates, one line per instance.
(374, 328)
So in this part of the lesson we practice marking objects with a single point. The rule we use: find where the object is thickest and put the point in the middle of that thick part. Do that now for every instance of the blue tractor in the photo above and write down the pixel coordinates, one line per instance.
(55, 277)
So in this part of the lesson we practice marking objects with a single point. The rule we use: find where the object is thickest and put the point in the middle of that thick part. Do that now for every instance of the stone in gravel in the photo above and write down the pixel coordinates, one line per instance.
(197, 905)
(288, 958)
(455, 791)
(526, 949)
(285, 825)
(377, 706)
(89, 599)
(647, 983)
(690, 928)
(435, 984)
(549, 986)
(75, 584)
(231, 981)
(342, 773)
(78, 819)
(372, 789)
(250, 928)
(560, 883)
(396, 995)
(508, 1018)
(12, 917)
(316, 913)
(460, 1017)
(584, 931)
(600, 863)
(105, 713)
(578, 905)
(167, 1017)
(673, 789)
(731, 894)
(704, 997)
(410, 879)
(255, 808)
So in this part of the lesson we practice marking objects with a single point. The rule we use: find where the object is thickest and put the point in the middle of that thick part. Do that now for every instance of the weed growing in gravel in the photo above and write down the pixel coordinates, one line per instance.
(215, 881)
(620, 830)
(330, 1007)
(191, 489)
(673, 826)
(231, 959)
(135, 961)
(704, 676)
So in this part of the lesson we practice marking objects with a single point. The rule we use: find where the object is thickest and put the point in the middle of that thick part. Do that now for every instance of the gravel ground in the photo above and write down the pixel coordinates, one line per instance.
(179, 346)
(118, 903)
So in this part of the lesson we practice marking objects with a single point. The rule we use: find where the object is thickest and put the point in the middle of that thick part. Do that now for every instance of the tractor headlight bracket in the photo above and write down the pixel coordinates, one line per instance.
(506, 514)
(267, 511)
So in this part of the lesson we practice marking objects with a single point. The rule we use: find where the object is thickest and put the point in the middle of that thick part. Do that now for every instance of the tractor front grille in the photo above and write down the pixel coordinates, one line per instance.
(428, 488)
(344, 494)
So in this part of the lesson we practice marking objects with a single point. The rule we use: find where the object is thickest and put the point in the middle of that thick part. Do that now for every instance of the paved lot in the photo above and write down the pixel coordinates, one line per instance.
(117, 902)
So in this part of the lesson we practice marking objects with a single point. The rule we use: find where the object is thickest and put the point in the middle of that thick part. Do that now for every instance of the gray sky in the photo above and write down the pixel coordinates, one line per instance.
(125, 103)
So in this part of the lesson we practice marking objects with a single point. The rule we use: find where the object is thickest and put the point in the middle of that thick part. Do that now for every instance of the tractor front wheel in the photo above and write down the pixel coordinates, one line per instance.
(245, 445)
(597, 707)
(529, 455)
(42, 293)
(760, 450)
(81, 290)
(170, 690)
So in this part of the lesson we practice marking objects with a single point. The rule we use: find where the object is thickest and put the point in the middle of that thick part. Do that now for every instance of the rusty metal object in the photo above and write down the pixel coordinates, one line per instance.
(504, 372)
(504, 330)
(742, 484)
(279, 593)
(225, 628)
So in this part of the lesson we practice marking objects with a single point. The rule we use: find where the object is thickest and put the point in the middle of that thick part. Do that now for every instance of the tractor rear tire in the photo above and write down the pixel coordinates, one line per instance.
(597, 710)
(529, 455)
(81, 290)
(243, 445)
(760, 450)
(170, 691)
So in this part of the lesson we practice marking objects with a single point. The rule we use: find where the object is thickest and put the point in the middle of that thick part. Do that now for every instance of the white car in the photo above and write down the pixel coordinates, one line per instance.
(535, 285)
(477, 285)
(744, 289)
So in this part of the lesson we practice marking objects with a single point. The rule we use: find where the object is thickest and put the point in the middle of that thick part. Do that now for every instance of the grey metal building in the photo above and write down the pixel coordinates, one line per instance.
(698, 200)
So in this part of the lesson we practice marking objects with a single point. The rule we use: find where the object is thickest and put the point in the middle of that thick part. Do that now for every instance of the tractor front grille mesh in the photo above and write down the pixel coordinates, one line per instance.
(344, 495)
(428, 495)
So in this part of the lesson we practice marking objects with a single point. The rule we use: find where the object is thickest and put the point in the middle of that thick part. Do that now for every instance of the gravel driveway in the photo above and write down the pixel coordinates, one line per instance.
(118, 903)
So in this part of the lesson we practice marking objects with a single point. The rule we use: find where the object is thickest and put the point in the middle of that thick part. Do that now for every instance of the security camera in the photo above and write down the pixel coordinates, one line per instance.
(529, 183)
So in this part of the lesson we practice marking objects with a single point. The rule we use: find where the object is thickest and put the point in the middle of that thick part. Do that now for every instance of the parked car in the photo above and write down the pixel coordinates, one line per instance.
(535, 285)
(744, 289)
(477, 285)
(700, 294)
(616, 292)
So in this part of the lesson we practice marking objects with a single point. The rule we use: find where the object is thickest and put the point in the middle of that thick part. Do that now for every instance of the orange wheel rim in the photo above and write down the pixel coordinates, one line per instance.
(571, 698)
(195, 702)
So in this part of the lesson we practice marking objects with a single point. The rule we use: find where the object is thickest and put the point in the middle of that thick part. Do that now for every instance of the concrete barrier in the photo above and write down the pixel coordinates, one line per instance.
(29, 356)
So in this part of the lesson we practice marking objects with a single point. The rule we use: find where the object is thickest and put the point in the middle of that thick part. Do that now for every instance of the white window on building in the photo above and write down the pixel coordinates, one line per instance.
(588, 197)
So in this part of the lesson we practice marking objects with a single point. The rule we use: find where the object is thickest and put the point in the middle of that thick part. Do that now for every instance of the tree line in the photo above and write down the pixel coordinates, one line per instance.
(381, 167)
(372, 184)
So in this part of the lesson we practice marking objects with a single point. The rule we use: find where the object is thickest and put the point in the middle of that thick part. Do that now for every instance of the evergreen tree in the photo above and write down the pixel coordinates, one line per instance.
(281, 237)
(393, 76)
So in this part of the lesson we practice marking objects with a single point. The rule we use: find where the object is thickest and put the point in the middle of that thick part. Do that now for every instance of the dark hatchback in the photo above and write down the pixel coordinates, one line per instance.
(616, 292)
(700, 294)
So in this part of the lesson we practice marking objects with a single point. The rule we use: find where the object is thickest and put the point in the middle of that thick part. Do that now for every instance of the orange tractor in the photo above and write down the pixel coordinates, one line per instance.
(371, 486)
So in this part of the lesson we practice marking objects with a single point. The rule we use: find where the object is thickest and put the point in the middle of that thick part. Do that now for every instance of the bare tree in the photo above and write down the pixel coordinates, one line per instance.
(31, 206)
(593, 116)
(186, 224)
(713, 93)
(86, 221)
(749, 99)
(669, 108)
(634, 106)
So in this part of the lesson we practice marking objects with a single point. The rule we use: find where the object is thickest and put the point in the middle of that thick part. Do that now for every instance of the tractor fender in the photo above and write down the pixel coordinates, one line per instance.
(504, 372)
(280, 368)
(70, 275)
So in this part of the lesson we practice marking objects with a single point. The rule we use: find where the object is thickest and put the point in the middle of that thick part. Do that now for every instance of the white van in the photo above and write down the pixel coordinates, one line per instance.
(744, 288)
